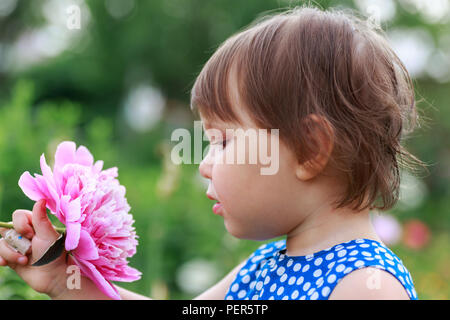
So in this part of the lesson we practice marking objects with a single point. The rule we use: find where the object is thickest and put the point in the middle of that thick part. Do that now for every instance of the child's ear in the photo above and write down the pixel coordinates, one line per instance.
(321, 133)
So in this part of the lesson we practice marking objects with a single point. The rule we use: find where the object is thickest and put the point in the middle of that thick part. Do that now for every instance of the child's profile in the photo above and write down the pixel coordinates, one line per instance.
(341, 102)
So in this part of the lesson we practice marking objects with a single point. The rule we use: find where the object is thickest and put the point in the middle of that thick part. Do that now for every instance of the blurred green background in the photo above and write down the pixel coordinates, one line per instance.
(120, 85)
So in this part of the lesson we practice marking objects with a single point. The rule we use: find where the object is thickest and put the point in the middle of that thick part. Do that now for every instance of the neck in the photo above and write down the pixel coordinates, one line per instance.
(326, 227)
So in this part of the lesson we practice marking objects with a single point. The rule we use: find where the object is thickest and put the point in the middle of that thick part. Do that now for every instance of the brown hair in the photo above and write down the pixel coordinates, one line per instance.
(330, 63)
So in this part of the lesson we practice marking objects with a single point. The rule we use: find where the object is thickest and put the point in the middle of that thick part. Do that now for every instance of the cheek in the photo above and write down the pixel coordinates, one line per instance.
(256, 206)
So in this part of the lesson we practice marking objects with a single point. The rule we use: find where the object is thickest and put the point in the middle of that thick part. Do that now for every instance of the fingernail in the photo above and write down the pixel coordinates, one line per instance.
(22, 260)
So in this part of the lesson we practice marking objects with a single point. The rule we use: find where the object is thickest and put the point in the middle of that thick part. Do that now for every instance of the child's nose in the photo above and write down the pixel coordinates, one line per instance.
(205, 168)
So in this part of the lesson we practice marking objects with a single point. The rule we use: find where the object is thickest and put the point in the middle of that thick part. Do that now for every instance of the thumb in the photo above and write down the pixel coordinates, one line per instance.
(41, 223)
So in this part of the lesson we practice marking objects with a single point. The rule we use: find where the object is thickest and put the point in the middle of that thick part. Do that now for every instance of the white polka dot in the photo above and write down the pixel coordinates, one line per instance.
(280, 271)
(243, 272)
(389, 256)
(342, 253)
(235, 287)
(309, 257)
(317, 273)
(331, 264)
(241, 294)
(319, 282)
(347, 270)
(300, 280)
(305, 268)
(246, 279)
(290, 262)
(303, 297)
(255, 297)
(339, 247)
(340, 268)
(354, 252)
(329, 256)
(267, 280)
(318, 261)
(285, 298)
(315, 296)
(291, 280)
(366, 253)
(364, 245)
(264, 273)
(257, 258)
(273, 287)
(280, 291)
(259, 285)
(252, 284)
(283, 277)
(392, 263)
(359, 263)
(325, 291)
(279, 244)
(306, 286)
(230, 298)
(271, 298)
(331, 278)
(297, 267)
(294, 294)
(391, 270)
(310, 292)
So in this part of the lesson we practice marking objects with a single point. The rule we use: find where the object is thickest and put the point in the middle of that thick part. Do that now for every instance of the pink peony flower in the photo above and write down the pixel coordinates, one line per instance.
(91, 203)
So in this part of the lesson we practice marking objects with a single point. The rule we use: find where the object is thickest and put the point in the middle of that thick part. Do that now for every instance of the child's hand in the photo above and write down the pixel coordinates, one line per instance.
(50, 278)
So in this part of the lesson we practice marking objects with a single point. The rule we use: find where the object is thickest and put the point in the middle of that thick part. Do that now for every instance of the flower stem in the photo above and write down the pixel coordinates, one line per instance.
(9, 225)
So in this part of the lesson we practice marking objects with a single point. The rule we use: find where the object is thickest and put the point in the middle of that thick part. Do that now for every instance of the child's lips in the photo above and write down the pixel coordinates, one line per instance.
(217, 207)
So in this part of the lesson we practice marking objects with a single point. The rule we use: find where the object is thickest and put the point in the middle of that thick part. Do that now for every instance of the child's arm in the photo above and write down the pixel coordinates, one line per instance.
(219, 290)
(90, 291)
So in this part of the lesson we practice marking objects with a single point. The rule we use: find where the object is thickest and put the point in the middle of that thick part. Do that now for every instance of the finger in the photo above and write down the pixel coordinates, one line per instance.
(11, 256)
(43, 228)
(3, 231)
(3, 262)
(22, 221)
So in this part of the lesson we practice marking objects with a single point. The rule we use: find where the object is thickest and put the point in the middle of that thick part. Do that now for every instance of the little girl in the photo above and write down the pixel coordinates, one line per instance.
(341, 100)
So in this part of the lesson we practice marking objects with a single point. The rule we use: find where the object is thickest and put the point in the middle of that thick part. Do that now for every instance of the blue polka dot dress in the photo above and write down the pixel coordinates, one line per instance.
(269, 274)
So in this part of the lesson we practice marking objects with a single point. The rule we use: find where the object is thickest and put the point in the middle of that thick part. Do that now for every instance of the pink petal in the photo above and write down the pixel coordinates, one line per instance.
(84, 157)
(71, 209)
(127, 274)
(65, 153)
(89, 270)
(72, 235)
(87, 249)
(28, 185)
(46, 171)
(98, 166)
(50, 182)
(74, 210)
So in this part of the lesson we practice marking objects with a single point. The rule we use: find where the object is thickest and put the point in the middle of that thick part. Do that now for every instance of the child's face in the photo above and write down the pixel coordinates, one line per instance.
(254, 206)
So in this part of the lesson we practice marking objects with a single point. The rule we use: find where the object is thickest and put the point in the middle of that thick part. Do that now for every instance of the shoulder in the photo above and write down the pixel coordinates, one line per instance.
(369, 284)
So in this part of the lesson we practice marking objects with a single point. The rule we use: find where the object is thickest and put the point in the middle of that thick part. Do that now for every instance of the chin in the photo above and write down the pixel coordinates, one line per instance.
(247, 233)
